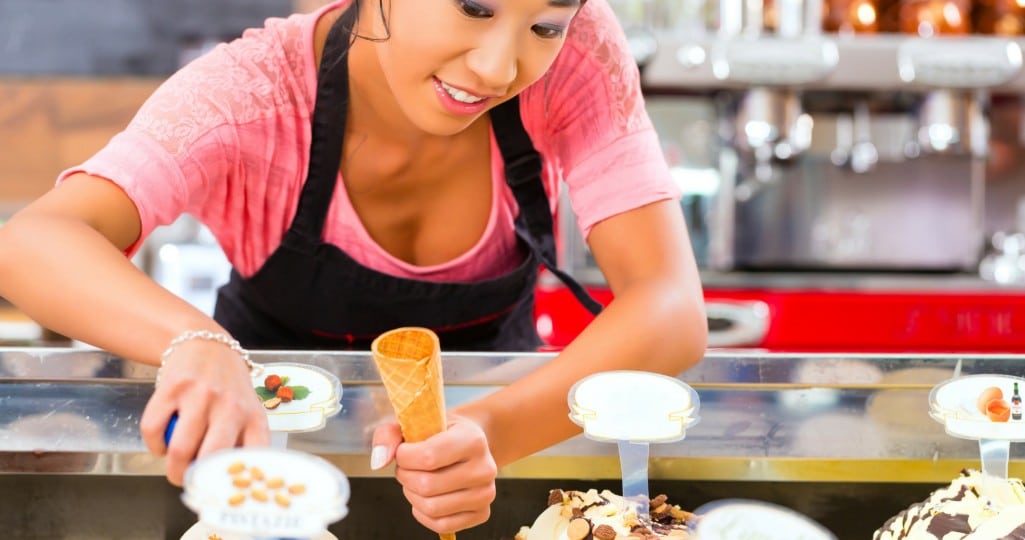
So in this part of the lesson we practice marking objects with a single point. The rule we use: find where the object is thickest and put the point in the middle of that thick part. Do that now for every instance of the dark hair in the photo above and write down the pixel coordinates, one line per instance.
(349, 20)
(347, 23)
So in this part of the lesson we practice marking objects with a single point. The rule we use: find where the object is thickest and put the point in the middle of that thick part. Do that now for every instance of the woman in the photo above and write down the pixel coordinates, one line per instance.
(352, 205)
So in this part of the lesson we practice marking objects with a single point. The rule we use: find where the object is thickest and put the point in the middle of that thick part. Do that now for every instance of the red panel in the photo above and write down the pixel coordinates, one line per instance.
(560, 317)
(890, 321)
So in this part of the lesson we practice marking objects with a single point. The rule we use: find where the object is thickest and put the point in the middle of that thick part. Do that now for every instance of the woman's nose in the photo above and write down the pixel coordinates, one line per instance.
(494, 62)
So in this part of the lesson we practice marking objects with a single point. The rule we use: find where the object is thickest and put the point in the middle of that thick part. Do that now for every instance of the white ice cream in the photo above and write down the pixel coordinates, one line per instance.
(603, 511)
(967, 509)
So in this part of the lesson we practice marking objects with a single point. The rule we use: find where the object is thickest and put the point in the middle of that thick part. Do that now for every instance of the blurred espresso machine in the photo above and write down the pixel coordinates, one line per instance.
(843, 163)
(853, 134)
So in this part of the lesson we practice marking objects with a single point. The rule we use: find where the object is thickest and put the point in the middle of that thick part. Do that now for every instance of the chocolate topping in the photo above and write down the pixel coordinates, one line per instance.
(603, 513)
(1018, 533)
(659, 500)
(604, 532)
(942, 524)
(579, 528)
(661, 516)
(958, 511)
(640, 529)
(556, 496)
(600, 502)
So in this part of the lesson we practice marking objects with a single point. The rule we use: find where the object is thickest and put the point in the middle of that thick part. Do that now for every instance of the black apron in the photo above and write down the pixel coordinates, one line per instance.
(312, 295)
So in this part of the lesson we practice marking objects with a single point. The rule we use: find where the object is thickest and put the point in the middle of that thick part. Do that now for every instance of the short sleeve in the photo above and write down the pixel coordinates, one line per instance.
(199, 144)
(588, 115)
(176, 148)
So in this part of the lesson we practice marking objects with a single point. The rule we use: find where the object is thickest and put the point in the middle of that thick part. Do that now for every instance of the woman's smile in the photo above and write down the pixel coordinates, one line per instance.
(458, 101)
(466, 96)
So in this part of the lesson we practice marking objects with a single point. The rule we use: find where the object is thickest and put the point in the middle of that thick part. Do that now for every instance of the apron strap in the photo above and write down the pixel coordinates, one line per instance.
(522, 162)
(330, 113)
(523, 175)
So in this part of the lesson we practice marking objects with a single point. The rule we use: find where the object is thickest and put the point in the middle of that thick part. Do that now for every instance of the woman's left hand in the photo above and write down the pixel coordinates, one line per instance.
(449, 478)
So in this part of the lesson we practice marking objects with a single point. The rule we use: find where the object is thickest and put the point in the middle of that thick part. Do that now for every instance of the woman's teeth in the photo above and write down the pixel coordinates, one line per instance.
(460, 95)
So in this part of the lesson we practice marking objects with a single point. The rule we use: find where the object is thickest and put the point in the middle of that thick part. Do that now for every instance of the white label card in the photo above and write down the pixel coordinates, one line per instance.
(634, 406)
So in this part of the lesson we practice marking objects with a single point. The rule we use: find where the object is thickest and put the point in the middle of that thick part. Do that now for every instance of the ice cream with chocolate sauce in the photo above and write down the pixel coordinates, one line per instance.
(961, 511)
(576, 515)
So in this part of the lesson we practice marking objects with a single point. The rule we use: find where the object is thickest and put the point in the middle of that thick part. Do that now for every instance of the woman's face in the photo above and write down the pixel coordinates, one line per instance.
(447, 62)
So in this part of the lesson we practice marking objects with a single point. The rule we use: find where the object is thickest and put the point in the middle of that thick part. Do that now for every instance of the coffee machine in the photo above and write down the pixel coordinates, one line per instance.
(841, 151)
(852, 171)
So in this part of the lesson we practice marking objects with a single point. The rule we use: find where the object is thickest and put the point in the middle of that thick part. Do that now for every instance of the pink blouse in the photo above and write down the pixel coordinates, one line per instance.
(227, 140)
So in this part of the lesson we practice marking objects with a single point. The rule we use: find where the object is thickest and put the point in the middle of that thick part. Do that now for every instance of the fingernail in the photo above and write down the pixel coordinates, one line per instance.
(378, 457)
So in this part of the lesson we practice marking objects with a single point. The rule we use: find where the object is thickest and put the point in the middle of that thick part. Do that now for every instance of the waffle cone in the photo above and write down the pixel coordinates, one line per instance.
(409, 362)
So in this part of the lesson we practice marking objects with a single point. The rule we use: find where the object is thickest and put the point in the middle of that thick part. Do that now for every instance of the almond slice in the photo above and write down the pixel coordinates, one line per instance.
(282, 499)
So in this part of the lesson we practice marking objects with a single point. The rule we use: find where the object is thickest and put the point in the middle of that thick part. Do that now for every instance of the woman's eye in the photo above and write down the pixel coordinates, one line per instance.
(473, 9)
(548, 31)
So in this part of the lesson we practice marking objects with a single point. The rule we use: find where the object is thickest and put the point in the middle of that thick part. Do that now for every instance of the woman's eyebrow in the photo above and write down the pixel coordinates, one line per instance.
(564, 3)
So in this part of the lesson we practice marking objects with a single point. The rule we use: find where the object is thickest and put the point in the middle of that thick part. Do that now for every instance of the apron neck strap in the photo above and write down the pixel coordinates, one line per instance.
(330, 113)
(523, 175)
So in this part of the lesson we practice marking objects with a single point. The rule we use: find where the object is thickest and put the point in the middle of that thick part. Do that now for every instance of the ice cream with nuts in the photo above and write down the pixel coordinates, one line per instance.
(243, 493)
(576, 515)
(967, 509)
(202, 531)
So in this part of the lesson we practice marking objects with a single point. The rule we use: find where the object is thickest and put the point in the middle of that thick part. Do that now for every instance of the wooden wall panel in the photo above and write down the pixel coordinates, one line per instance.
(47, 125)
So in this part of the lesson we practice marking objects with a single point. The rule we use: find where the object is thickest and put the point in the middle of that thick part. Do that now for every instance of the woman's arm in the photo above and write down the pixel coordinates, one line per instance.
(655, 323)
(590, 118)
(62, 263)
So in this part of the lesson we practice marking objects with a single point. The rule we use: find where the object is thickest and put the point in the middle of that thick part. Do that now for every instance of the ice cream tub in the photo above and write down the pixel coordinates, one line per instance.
(575, 515)
(266, 493)
(965, 508)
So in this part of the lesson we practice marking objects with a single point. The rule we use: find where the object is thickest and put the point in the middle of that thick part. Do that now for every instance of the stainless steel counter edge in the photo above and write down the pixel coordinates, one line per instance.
(764, 417)
(845, 62)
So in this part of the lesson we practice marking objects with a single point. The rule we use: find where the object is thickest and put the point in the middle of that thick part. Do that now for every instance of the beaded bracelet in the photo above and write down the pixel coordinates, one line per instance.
(218, 337)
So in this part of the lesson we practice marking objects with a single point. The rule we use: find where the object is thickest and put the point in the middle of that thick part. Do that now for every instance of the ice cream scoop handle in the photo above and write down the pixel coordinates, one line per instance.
(169, 430)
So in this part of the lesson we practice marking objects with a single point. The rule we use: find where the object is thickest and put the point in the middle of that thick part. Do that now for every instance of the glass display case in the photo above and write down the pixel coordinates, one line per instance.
(845, 439)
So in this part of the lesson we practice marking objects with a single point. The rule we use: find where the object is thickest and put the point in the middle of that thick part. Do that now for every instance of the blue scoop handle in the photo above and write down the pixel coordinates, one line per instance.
(169, 430)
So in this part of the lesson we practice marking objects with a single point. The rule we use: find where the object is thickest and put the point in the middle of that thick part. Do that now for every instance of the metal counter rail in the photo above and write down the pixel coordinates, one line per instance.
(886, 62)
(819, 418)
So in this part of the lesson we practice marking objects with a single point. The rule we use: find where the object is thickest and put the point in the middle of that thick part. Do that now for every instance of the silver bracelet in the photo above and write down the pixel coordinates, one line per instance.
(218, 337)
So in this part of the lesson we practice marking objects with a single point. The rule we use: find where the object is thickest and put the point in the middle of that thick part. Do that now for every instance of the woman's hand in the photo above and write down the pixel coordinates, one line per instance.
(208, 385)
(449, 478)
